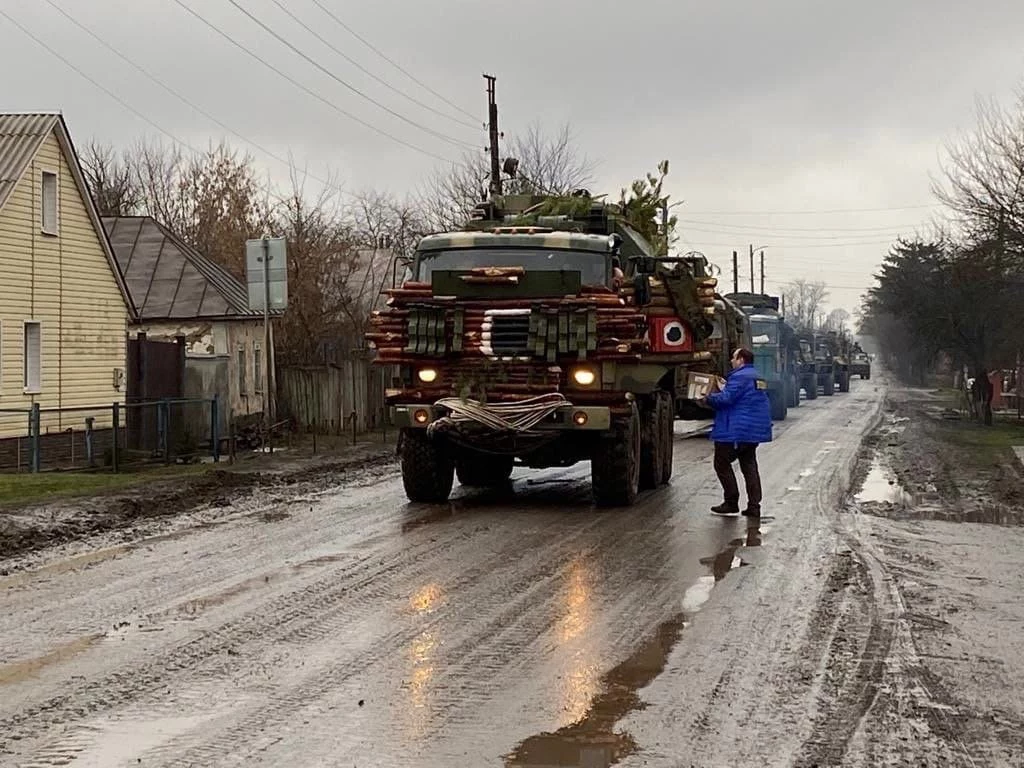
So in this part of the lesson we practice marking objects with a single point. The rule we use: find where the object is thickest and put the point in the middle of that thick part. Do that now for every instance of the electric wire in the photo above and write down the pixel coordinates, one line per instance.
(390, 61)
(366, 71)
(307, 90)
(273, 33)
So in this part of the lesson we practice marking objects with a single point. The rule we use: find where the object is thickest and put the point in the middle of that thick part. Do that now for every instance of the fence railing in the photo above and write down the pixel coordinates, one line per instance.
(111, 437)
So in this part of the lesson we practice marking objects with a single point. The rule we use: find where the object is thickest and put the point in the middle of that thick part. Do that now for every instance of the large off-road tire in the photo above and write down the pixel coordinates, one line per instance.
(794, 392)
(615, 464)
(482, 470)
(668, 432)
(829, 387)
(652, 445)
(866, 375)
(428, 473)
(777, 400)
(844, 381)
(812, 387)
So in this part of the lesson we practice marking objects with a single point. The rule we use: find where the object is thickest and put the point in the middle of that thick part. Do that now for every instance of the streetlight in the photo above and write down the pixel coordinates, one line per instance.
(752, 249)
(665, 207)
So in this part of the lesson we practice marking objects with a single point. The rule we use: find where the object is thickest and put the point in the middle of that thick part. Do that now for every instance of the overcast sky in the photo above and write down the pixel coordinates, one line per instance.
(770, 112)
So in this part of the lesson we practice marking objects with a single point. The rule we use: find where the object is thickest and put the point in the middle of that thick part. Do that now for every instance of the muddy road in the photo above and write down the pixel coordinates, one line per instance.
(350, 628)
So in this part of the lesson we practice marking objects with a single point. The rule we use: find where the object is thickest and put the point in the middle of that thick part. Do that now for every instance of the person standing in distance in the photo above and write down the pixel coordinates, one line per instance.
(743, 420)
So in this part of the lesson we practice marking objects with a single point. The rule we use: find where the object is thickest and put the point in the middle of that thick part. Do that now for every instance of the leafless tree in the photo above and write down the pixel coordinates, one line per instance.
(804, 301)
(110, 180)
(548, 163)
(983, 175)
(837, 320)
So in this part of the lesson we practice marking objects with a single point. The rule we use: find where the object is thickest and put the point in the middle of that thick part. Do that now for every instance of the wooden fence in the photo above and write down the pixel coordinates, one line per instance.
(330, 397)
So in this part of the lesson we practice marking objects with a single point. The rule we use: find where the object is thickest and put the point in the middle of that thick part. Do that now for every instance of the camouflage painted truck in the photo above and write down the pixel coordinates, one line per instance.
(821, 366)
(544, 334)
(776, 350)
(841, 346)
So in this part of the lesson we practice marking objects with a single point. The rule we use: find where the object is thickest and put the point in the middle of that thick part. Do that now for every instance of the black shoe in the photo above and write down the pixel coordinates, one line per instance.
(752, 512)
(726, 509)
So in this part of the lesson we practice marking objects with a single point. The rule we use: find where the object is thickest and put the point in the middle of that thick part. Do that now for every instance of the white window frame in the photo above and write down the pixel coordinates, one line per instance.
(44, 226)
(257, 368)
(30, 387)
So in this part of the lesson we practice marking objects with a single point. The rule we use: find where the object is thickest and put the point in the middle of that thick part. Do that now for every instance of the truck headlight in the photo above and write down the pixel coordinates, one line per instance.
(584, 376)
(427, 375)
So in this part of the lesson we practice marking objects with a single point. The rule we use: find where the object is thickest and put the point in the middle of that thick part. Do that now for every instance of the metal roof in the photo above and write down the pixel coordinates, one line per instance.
(170, 280)
(21, 135)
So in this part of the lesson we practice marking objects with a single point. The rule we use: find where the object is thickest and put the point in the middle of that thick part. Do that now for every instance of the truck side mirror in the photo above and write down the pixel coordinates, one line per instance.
(642, 290)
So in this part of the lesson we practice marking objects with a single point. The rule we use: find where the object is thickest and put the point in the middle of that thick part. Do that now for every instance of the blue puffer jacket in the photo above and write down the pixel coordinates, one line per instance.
(742, 411)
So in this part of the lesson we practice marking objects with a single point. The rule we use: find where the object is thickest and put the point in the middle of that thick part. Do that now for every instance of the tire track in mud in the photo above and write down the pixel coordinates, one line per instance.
(300, 617)
(489, 649)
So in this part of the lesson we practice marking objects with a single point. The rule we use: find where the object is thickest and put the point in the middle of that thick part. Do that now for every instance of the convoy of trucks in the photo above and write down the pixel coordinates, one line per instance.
(548, 331)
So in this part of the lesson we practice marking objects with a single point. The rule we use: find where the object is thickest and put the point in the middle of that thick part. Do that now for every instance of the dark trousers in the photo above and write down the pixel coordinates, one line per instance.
(725, 455)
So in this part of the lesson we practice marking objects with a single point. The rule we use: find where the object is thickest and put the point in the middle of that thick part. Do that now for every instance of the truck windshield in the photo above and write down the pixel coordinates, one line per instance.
(764, 332)
(592, 266)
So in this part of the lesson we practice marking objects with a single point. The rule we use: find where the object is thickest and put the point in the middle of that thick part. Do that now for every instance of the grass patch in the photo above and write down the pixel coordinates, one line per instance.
(987, 440)
(26, 488)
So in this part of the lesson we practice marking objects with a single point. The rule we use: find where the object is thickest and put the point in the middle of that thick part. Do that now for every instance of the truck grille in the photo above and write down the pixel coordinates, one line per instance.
(509, 332)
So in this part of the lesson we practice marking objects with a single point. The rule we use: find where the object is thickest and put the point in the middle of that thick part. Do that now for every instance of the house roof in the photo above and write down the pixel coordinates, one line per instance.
(170, 280)
(21, 136)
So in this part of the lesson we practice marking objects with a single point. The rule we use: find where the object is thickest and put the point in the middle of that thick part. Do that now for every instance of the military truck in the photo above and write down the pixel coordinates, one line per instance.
(818, 365)
(839, 344)
(544, 333)
(860, 362)
(775, 348)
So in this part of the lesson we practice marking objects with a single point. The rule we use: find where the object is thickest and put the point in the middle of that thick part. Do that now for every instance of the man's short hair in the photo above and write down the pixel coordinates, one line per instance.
(745, 355)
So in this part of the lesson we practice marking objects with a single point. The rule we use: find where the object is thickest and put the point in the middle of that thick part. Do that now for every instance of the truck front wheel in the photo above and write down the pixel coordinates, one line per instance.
(812, 387)
(829, 387)
(484, 470)
(777, 400)
(652, 445)
(668, 433)
(844, 381)
(615, 464)
(794, 392)
(428, 473)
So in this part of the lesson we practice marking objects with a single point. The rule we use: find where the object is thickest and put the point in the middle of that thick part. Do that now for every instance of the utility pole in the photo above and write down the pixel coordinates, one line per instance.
(762, 272)
(664, 224)
(751, 267)
(735, 272)
(492, 129)
(267, 416)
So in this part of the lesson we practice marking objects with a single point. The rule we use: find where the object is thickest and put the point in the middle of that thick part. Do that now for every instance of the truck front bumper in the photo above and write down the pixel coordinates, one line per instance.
(568, 418)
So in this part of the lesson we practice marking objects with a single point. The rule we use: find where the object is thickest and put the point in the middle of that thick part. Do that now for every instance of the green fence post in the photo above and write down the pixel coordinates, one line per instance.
(36, 447)
(116, 420)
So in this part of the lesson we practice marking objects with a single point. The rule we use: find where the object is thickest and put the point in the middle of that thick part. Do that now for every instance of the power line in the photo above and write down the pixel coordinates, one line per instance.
(175, 93)
(390, 61)
(813, 213)
(102, 87)
(745, 227)
(787, 246)
(349, 86)
(363, 69)
(306, 90)
(789, 236)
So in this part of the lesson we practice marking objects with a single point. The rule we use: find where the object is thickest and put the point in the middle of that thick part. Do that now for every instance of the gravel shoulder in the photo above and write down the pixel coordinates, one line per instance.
(939, 520)
(34, 533)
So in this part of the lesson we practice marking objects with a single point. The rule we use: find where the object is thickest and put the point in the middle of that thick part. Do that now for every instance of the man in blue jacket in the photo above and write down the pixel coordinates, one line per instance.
(743, 419)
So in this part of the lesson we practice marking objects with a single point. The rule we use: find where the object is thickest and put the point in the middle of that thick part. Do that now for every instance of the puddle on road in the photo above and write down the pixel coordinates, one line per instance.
(19, 671)
(881, 486)
(593, 741)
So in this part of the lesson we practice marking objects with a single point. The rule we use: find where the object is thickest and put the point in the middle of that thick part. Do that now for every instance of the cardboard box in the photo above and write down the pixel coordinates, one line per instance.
(700, 385)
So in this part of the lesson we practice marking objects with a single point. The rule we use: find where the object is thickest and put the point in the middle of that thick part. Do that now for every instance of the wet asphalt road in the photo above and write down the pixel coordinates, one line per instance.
(354, 629)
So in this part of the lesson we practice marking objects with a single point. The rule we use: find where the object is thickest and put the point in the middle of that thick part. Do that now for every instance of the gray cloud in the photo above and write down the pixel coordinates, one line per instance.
(781, 106)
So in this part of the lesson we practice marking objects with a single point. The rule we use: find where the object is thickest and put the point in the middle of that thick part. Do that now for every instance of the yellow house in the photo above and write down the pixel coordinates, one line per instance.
(64, 306)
